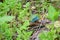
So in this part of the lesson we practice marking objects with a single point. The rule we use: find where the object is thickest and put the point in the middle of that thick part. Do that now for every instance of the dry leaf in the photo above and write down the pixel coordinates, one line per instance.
(57, 24)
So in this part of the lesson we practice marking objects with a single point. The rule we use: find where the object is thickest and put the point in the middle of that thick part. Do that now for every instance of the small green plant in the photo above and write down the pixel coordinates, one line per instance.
(4, 27)
(13, 8)
(52, 13)
(48, 35)
(53, 16)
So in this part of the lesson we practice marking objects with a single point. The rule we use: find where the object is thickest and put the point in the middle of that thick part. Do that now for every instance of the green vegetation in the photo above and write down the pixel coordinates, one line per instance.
(52, 13)
(16, 16)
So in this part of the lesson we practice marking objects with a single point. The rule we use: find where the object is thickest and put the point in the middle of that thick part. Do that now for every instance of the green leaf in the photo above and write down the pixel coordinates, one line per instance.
(52, 13)
(8, 32)
(27, 4)
(6, 18)
(25, 24)
(48, 35)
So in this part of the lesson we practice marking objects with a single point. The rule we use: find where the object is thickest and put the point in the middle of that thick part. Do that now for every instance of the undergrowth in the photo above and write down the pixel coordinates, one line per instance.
(15, 17)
